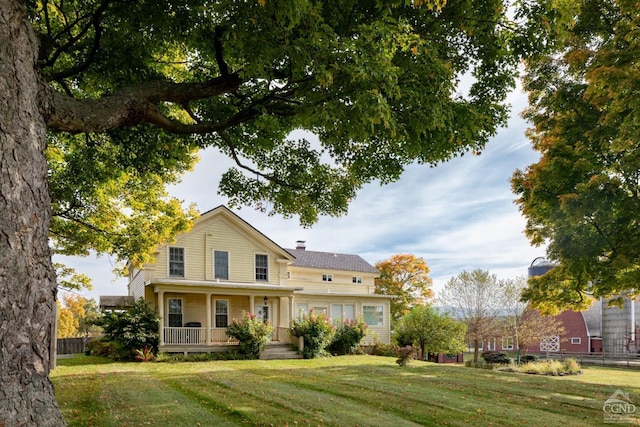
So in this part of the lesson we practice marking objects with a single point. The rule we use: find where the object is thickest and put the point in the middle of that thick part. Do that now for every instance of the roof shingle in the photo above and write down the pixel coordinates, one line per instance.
(330, 261)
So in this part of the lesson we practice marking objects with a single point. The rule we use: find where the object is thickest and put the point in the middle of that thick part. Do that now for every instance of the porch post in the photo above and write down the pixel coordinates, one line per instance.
(252, 305)
(208, 321)
(292, 312)
(161, 314)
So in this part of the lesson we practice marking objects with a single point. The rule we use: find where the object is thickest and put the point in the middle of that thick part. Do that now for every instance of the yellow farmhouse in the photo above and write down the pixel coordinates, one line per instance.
(223, 266)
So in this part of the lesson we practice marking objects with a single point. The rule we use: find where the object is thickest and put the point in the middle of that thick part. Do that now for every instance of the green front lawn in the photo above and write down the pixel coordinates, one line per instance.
(338, 391)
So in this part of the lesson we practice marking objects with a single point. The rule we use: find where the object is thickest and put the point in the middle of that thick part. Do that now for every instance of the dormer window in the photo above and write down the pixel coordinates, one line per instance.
(327, 277)
(176, 262)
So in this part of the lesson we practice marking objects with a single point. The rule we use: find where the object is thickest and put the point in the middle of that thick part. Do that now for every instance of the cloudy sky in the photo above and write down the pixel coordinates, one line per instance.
(457, 216)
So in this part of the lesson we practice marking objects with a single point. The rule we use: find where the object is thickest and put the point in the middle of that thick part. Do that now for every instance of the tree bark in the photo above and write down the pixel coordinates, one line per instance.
(27, 278)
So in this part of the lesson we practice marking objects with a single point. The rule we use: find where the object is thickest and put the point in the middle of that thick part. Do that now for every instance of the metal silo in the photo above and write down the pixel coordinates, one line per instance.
(620, 327)
(539, 266)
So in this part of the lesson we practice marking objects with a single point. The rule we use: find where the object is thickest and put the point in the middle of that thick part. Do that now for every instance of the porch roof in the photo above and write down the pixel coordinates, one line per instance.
(222, 285)
(345, 294)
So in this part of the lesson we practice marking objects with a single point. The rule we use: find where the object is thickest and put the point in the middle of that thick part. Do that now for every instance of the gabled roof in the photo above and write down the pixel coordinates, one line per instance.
(224, 211)
(330, 261)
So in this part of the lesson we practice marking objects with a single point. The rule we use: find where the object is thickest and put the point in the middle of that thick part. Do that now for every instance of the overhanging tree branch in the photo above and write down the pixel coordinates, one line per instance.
(236, 159)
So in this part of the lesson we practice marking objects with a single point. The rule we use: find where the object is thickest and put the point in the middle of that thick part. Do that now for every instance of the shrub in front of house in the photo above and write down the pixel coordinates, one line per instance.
(349, 334)
(252, 334)
(129, 331)
(317, 332)
(104, 348)
(381, 349)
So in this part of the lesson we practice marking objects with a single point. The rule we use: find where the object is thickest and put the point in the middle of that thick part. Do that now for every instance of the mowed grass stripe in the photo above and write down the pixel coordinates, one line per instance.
(130, 399)
(264, 399)
(339, 391)
(440, 390)
(435, 397)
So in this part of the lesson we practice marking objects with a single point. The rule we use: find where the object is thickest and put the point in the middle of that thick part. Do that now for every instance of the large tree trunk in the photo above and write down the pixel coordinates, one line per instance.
(27, 279)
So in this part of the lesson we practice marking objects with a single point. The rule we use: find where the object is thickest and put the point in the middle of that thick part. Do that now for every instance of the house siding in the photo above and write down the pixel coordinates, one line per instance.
(136, 283)
(220, 235)
(311, 280)
(221, 230)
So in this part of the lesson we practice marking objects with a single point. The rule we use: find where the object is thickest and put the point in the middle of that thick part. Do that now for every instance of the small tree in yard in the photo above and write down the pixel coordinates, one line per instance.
(252, 333)
(525, 323)
(131, 330)
(475, 298)
(431, 331)
(317, 332)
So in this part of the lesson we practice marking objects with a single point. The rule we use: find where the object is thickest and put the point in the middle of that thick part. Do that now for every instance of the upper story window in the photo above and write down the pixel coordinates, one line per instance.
(221, 265)
(356, 279)
(176, 262)
(327, 277)
(262, 267)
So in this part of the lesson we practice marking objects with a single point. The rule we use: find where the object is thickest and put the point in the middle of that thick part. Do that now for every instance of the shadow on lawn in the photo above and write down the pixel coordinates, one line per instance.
(81, 359)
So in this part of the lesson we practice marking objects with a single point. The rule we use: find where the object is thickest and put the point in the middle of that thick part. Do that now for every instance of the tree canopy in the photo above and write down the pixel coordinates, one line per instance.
(582, 197)
(432, 331)
(105, 101)
(136, 88)
(407, 278)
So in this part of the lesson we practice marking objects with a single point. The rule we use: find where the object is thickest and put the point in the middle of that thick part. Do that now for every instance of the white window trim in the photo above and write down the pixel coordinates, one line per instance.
(181, 311)
(342, 304)
(184, 269)
(215, 312)
(508, 347)
(255, 267)
(550, 343)
(384, 316)
(576, 340)
(356, 279)
(213, 262)
(327, 277)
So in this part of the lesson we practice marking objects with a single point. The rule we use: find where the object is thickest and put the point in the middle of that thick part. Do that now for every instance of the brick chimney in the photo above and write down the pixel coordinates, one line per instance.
(300, 245)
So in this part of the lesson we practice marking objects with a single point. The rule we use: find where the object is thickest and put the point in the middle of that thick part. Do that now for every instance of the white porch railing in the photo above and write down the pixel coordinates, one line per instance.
(184, 336)
(195, 336)
(198, 336)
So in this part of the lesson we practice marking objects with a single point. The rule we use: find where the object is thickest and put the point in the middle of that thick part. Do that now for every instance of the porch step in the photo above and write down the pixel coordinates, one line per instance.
(279, 351)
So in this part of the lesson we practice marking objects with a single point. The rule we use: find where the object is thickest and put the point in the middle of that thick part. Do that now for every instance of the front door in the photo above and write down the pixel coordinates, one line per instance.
(263, 313)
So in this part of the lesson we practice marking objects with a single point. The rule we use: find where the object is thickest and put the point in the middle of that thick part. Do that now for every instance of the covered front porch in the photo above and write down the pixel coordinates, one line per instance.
(195, 318)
